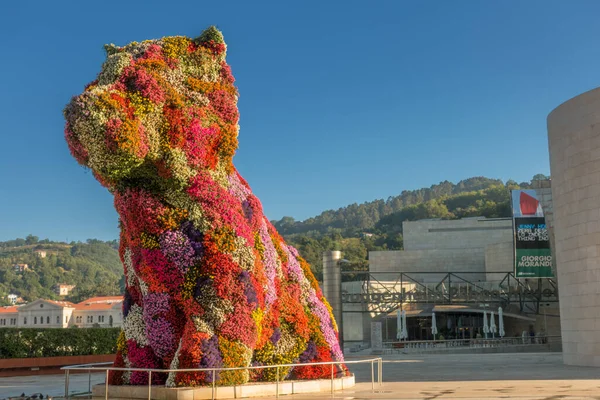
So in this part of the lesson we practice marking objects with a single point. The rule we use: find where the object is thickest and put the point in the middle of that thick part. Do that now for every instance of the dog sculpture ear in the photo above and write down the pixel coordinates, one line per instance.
(210, 34)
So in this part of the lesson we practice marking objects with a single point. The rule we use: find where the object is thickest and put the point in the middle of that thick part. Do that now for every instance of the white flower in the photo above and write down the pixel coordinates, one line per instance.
(134, 326)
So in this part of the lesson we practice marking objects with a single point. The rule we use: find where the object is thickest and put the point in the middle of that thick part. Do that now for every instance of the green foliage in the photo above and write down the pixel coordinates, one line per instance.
(377, 225)
(94, 267)
(31, 342)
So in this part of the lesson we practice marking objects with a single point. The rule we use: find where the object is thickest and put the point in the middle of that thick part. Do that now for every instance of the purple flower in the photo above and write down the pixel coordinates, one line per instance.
(191, 232)
(177, 248)
(276, 336)
(160, 336)
(248, 211)
(127, 300)
(248, 288)
(211, 357)
(202, 284)
(310, 352)
(155, 304)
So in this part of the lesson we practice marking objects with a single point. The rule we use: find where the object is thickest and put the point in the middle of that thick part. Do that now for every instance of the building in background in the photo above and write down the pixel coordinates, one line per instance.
(456, 269)
(41, 313)
(62, 289)
(20, 268)
(41, 253)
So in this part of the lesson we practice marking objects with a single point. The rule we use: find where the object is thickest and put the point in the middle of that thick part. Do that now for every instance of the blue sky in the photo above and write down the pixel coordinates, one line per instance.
(341, 101)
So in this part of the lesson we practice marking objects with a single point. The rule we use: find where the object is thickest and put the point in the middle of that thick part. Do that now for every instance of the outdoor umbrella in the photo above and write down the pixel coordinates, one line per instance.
(434, 330)
(399, 332)
(492, 323)
(486, 328)
(404, 330)
(501, 332)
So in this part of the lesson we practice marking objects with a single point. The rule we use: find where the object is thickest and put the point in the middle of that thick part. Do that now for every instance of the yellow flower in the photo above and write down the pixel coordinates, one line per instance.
(175, 46)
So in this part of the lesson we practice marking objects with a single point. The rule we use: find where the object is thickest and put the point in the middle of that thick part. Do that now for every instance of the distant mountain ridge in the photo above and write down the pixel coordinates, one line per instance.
(366, 216)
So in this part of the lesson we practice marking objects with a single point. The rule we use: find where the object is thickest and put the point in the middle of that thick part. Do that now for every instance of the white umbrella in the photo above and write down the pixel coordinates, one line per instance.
(501, 332)
(434, 330)
(486, 328)
(399, 325)
(404, 329)
(492, 324)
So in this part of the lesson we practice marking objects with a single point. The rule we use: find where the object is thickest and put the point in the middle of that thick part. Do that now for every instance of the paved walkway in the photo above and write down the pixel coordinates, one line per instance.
(533, 376)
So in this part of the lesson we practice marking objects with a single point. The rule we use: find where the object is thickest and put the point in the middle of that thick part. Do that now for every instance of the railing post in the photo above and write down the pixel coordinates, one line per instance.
(380, 371)
(401, 288)
(67, 384)
(331, 378)
(277, 384)
(149, 385)
(450, 288)
(372, 376)
(90, 380)
(213, 384)
(106, 386)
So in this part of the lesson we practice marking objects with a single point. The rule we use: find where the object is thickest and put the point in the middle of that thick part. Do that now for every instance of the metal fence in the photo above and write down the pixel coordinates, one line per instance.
(424, 346)
(97, 367)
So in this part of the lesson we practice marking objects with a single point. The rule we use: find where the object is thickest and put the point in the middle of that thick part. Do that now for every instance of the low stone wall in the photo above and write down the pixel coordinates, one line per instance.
(223, 392)
(47, 365)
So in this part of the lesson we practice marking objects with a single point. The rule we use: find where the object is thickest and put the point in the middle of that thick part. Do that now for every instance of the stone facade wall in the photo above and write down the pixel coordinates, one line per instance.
(443, 261)
(574, 142)
(467, 233)
(499, 257)
(464, 245)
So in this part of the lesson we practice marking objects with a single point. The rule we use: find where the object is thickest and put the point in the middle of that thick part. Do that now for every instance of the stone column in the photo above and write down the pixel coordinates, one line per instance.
(574, 142)
(332, 287)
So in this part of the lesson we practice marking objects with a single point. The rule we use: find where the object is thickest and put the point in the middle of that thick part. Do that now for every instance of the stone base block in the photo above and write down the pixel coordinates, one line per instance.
(255, 389)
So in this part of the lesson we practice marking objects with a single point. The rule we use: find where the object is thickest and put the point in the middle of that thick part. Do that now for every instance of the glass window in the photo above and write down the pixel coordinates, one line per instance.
(35, 320)
(24, 320)
(58, 319)
(48, 319)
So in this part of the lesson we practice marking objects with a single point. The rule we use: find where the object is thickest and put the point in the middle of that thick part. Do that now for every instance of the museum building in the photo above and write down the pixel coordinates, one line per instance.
(457, 270)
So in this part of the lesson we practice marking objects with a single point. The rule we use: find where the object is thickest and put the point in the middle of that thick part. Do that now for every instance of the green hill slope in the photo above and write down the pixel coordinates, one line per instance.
(94, 267)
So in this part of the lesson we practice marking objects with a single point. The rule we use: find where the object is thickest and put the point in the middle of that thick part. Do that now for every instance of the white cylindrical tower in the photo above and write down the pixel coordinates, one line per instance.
(574, 142)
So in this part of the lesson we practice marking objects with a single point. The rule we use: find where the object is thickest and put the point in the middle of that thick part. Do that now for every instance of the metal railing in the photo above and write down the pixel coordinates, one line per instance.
(424, 346)
(383, 292)
(98, 367)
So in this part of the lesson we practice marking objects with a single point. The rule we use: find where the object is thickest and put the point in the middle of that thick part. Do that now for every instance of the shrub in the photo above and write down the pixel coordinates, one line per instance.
(32, 342)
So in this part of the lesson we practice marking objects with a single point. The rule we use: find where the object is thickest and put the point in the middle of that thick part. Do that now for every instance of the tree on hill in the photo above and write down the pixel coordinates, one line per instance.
(94, 267)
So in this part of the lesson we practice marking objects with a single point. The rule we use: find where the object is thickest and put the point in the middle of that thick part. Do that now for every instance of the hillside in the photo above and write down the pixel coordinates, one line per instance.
(377, 225)
(94, 267)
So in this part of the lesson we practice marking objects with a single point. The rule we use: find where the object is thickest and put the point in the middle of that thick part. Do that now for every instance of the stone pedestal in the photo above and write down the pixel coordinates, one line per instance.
(574, 141)
(224, 392)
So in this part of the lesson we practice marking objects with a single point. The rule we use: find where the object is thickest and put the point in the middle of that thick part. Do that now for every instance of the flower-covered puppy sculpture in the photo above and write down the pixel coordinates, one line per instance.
(209, 281)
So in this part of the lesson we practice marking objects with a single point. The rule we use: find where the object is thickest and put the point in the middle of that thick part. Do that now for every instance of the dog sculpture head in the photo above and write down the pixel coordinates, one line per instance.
(159, 112)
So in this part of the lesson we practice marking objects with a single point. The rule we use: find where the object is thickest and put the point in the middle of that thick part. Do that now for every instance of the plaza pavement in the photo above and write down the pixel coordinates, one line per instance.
(440, 376)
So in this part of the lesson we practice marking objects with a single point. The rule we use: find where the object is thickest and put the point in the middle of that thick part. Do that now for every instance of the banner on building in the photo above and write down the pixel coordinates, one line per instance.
(532, 248)
(526, 204)
(533, 258)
